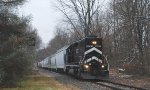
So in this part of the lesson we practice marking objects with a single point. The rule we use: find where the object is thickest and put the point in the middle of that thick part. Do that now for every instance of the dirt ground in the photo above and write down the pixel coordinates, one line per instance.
(138, 81)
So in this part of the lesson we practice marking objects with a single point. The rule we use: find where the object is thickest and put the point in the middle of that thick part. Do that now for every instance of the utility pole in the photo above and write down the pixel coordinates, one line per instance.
(114, 30)
(140, 40)
(140, 19)
(89, 18)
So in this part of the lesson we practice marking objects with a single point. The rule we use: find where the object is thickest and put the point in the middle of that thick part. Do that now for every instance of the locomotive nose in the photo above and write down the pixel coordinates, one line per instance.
(95, 68)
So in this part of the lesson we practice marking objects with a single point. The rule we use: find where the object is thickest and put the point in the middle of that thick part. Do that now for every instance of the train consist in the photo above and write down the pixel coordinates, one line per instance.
(83, 59)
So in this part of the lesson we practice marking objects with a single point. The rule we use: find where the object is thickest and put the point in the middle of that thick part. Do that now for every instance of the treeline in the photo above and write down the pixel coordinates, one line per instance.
(18, 42)
(131, 35)
(124, 26)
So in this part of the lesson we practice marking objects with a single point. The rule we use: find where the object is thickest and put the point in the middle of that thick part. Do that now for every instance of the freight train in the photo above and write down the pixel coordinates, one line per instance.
(83, 59)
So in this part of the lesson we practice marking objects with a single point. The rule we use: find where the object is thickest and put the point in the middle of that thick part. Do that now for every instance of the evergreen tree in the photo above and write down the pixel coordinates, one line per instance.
(17, 43)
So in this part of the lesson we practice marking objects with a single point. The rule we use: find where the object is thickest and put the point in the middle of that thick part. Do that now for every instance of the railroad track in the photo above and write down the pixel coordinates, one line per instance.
(117, 86)
(110, 84)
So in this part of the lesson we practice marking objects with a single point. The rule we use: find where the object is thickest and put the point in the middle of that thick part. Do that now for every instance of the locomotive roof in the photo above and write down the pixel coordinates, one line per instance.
(67, 46)
(63, 48)
(84, 39)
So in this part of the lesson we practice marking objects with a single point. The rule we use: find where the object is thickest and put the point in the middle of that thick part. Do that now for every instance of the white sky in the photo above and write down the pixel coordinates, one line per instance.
(44, 17)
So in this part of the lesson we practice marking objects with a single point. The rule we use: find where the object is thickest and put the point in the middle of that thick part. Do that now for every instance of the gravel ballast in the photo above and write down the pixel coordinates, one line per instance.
(69, 80)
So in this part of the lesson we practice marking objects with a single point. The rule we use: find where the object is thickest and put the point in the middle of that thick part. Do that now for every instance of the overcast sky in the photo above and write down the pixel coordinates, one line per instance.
(44, 17)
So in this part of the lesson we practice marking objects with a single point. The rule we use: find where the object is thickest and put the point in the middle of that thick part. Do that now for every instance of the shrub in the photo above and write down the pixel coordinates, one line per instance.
(15, 67)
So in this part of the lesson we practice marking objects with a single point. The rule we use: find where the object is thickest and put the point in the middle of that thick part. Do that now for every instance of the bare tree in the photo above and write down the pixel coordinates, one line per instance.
(130, 28)
(60, 39)
(81, 14)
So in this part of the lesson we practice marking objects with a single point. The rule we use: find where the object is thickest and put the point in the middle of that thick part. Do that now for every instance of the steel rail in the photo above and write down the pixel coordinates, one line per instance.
(117, 86)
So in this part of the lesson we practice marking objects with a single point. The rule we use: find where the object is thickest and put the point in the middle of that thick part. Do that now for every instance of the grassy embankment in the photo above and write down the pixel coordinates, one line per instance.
(41, 82)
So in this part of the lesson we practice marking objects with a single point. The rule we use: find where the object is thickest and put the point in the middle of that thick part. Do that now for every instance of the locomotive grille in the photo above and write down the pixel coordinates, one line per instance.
(94, 70)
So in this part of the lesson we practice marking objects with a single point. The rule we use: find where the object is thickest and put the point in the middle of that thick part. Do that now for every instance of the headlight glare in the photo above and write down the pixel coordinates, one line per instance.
(102, 66)
(86, 66)
(94, 42)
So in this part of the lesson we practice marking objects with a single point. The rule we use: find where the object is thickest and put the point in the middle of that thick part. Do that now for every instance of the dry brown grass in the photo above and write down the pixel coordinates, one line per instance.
(41, 82)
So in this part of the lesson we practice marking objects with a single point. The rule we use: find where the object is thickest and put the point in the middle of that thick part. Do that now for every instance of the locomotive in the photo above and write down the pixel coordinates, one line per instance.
(83, 59)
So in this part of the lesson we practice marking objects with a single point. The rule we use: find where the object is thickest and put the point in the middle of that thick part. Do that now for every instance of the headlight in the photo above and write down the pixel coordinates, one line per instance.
(102, 66)
(86, 66)
(94, 42)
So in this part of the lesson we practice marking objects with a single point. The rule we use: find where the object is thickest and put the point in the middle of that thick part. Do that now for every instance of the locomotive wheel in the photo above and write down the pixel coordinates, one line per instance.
(67, 70)
(76, 71)
(79, 74)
